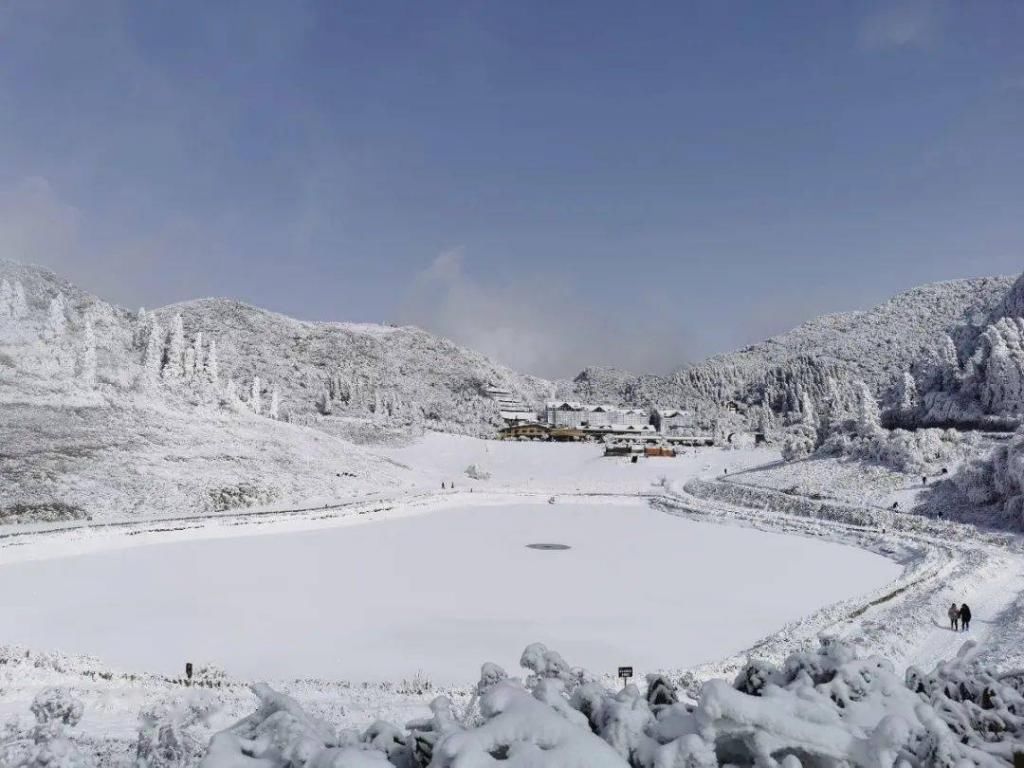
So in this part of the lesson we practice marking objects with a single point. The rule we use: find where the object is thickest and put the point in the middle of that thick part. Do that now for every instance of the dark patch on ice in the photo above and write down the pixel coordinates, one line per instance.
(549, 546)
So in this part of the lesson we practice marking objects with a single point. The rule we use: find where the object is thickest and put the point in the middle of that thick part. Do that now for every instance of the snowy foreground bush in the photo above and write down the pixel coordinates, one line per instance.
(48, 743)
(826, 708)
(997, 479)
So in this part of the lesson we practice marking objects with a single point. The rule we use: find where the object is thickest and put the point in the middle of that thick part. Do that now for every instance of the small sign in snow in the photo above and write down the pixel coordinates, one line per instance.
(625, 672)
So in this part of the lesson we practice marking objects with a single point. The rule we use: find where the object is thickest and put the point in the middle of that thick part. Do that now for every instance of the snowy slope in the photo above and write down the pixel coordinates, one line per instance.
(876, 346)
(110, 446)
(387, 375)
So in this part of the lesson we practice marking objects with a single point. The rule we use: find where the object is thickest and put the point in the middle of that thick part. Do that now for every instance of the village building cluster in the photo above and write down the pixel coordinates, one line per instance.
(571, 421)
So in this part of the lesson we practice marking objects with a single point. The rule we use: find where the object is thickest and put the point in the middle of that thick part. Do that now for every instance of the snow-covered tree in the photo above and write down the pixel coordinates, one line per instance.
(869, 419)
(174, 363)
(197, 356)
(255, 396)
(140, 333)
(56, 319)
(190, 364)
(153, 358)
(275, 404)
(211, 365)
(809, 414)
(6, 300)
(324, 403)
(19, 304)
(907, 397)
(88, 369)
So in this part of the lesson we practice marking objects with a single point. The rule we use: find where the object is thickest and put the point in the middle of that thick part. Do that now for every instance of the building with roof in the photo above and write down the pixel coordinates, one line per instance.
(575, 415)
(511, 409)
(671, 421)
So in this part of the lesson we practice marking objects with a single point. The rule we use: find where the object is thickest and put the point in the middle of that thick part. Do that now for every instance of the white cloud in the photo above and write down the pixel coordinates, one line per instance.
(903, 24)
(539, 327)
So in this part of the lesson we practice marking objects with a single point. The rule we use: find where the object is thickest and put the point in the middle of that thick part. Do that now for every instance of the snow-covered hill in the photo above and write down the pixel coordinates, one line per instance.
(212, 404)
(347, 378)
(875, 346)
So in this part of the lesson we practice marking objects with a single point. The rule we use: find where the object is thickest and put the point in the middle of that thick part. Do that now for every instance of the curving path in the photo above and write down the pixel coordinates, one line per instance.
(906, 622)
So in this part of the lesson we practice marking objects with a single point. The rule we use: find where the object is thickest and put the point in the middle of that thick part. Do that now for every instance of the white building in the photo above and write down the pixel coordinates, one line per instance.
(513, 410)
(673, 421)
(573, 415)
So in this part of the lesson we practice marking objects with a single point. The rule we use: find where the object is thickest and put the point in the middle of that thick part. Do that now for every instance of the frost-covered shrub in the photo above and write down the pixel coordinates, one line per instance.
(240, 496)
(48, 744)
(279, 733)
(524, 732)
(174, 734)
(997, 479)
(798, 444)
(546, 664)
(45, 512)
(826, 708)
(899, 449)
(476, 472)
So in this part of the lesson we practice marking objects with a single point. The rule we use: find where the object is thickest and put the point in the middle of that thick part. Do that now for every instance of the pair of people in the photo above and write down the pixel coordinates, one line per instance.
(959, 618)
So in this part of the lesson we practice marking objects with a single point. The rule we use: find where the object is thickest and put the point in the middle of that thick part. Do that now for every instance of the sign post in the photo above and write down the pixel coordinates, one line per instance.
(625, 673)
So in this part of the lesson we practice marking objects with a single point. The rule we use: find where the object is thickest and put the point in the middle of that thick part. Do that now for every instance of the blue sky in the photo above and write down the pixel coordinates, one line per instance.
(556, 184)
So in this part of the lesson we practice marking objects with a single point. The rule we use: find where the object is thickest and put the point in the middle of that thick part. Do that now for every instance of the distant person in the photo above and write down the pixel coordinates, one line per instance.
(965, 617)
(895, 506)
(954, 616)
(924, 479)
(442, 485)
(725, 471)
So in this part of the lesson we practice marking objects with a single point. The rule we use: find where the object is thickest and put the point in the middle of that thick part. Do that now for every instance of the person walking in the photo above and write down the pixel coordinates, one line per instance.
(965, 617)
(954, 616)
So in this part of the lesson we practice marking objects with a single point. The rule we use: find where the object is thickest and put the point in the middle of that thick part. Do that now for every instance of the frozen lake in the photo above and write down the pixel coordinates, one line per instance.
(438, 593)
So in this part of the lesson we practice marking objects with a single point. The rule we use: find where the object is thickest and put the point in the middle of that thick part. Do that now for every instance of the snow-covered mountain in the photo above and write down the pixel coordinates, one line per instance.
(107, 412)
(829, 353)
(352, 378)
(213, 403)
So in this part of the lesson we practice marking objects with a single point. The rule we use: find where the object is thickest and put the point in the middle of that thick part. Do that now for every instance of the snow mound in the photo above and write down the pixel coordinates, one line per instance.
(827, 708)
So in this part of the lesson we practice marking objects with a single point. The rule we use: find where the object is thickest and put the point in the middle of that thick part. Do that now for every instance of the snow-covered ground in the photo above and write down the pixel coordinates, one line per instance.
(391, 598)
(394, 589)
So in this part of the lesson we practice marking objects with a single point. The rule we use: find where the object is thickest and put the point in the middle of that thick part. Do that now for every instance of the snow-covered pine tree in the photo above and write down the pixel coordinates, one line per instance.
(907, 400)
(19, 304)
(324, 403)
(87, 375)
(869, 419)
(211, 364)
(153, 358)
(6, 300)
(231, 391)
(255, 398)
(174, 364)
(275, 404)
(56, 319)
(808, 413)
(189, 366)
(198, 363)
(140, 335)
